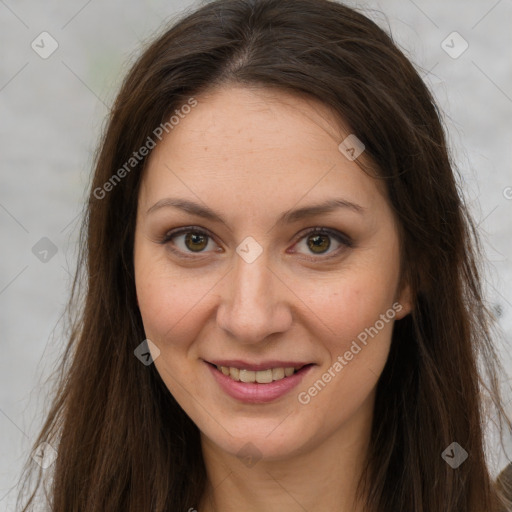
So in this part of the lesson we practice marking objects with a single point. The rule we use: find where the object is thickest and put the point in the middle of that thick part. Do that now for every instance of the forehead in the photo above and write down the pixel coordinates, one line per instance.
(259, 147)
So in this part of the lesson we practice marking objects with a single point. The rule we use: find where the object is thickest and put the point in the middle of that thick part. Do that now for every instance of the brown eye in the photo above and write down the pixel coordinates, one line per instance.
(318, 243)
(196, 241)
(187, 241)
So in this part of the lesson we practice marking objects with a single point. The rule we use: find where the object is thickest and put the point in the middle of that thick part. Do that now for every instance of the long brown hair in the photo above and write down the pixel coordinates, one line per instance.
(123, 442)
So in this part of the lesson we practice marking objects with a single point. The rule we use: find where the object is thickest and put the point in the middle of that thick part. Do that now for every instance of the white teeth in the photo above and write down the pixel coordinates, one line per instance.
(247, 376)
(277, 373)
(264, 377)
(261, 376)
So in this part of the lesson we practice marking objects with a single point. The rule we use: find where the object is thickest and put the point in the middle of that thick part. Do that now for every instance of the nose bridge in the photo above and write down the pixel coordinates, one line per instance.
(253, 306)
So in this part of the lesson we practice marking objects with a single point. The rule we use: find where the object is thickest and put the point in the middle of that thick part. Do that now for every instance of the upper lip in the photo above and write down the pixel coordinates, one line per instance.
(264, 365)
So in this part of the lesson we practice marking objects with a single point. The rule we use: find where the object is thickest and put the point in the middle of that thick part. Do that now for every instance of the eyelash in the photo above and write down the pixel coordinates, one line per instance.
(339, 237)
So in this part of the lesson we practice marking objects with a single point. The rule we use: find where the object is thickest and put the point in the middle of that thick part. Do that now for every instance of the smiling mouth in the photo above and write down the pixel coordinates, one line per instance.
(260, 376)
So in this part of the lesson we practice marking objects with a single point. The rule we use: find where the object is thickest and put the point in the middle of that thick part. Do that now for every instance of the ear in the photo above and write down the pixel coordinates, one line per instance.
(404, 302)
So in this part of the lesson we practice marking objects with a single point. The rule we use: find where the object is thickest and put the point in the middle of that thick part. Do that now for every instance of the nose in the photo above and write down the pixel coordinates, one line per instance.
(254, 302)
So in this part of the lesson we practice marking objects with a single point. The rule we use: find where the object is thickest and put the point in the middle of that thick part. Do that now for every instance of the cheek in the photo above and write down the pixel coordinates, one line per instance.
(345, 306)
(356, 347)
(162, 297)
(173, 302)
(172, 313)
(354, 322)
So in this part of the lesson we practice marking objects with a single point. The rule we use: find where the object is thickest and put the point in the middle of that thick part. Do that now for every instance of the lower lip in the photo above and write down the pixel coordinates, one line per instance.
(255, 393)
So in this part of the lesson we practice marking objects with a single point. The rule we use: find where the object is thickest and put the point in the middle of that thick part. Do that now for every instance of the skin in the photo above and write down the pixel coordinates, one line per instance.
(250, 154)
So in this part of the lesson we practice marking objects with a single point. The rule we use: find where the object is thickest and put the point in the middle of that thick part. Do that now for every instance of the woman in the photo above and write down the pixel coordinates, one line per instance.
(282, 307)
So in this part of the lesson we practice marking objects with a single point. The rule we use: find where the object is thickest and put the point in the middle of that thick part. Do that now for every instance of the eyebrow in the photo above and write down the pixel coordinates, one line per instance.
(288, 216)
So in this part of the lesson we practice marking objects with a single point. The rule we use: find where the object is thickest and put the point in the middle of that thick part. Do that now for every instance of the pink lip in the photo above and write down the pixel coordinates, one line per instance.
(253, 392)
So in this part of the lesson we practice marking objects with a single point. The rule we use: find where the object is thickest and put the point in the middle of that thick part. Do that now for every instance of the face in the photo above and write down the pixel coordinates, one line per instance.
(261, 249)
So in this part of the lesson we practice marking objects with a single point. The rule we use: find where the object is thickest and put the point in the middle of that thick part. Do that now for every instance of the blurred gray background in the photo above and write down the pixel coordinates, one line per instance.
(53, 107)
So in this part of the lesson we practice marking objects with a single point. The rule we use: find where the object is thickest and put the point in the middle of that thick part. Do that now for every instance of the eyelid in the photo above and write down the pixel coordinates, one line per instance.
(338, 235)
(185, 229)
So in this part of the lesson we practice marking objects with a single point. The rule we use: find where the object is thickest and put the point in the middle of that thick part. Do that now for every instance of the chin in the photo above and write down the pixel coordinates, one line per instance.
(260, 440)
